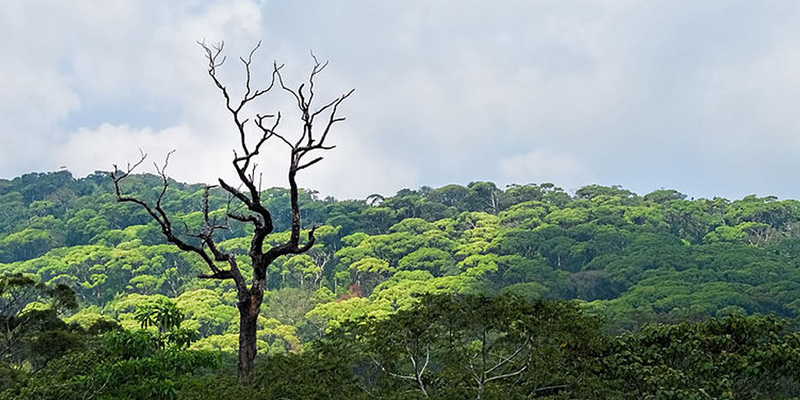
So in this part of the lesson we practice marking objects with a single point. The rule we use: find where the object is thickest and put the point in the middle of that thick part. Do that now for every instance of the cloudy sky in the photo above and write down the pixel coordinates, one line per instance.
(702, 97)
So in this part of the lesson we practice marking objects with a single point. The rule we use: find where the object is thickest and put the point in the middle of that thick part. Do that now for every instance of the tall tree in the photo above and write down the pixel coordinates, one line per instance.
(316, 123)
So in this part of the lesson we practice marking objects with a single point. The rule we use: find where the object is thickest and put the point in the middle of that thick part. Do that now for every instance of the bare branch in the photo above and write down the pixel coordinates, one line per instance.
(247, 63)
(508, 375)
(504, 360)
(333, 119)
(157, 212)
(310, 163)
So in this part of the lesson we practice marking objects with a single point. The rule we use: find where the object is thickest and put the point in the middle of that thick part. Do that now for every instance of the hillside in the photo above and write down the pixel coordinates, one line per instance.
(633, 258)
(625, 260)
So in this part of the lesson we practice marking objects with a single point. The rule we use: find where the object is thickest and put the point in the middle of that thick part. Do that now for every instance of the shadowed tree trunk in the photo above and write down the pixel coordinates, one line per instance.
(253, 133)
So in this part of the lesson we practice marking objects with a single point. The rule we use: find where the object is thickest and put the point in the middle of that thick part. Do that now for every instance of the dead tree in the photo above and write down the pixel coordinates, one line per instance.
(254, 133)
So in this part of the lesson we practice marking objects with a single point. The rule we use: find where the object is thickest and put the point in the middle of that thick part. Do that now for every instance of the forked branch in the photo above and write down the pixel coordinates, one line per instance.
(267, 127)
(160, 216)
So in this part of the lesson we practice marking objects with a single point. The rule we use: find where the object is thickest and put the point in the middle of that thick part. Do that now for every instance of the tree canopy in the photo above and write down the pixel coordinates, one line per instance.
(629, 260)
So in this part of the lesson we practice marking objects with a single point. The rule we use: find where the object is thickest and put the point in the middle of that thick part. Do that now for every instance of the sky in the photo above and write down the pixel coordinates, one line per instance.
(701, 97)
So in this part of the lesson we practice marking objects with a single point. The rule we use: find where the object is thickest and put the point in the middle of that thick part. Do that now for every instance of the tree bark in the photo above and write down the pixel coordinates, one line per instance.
(248, 322)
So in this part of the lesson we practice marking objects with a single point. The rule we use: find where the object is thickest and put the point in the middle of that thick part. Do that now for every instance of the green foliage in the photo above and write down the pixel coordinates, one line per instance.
(729, 358)
(467, 346)
(104, 374)
(165, 316)
(32, 334)
(634, 260)
(605, 244)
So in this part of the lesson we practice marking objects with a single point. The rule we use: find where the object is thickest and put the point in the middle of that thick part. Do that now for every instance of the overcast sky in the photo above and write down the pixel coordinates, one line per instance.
(702, 97)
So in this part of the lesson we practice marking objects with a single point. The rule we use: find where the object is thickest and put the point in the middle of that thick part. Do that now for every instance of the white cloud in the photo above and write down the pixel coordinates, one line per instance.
(627, 92)
(133, 58)
(541, 166)
(349, 171)
(754, 102)
(195, 160)
(354, 170)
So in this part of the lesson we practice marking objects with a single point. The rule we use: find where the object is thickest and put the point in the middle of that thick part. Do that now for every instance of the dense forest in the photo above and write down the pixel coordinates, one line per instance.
(453, 292)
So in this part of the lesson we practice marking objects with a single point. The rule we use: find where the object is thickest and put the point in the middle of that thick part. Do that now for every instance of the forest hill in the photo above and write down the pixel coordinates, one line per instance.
(625, 258)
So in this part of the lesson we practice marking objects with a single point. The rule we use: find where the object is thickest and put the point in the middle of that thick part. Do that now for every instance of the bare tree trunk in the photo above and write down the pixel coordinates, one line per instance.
(248, 322)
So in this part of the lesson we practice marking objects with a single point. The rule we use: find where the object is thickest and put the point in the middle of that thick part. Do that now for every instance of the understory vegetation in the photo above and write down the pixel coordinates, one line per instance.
(452, 292)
